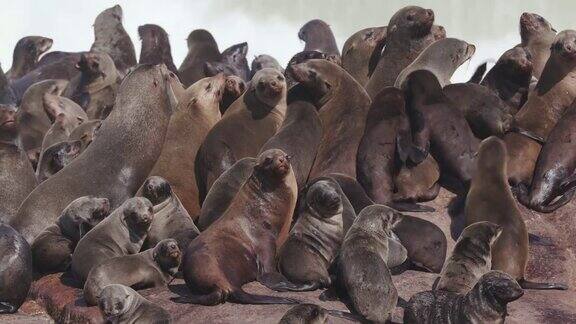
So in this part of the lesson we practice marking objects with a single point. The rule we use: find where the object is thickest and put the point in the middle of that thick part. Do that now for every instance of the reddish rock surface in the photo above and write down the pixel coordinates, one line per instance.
(554, 263)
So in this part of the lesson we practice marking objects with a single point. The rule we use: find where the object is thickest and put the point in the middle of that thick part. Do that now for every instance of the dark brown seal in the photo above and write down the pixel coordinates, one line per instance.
(86, 132)
(245, 238)
(263, 61)
(361, 52)
(7, 93)
(343, 106)
(52, 249)
(26, 55)
(121, 304)
(202, 48)
(245, 127)
(490, 199)
(17, 178)
(16, 270)
(155, 46)
(121, 233)
(152, 268)
(56, 157)
(117, 173)
(555, 91)
(234, 88)
(485, 303)
(111, 38)
(409, 32)
(537, 36)
(197, 112)
(318, 36)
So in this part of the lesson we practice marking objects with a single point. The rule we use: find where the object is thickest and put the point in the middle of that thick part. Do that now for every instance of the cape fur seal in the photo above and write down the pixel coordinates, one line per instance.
(7, 94)
(155, 47)
(15, 269)
(537, 36)
(123, 305)
(202, 48)
(26, 54)
(361, 52)
(263, 61)
(318, 36)
(56, 157)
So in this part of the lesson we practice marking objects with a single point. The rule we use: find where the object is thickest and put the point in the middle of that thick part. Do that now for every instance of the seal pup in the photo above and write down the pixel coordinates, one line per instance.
(31, 118)
(121, 233)
(171, 220)
(202, 48)
(266, 202)
(312, 314)
(223, 191)
(263, 61)
(316, 237)
(145, 98)
(17, 178)
(470, 259)
(111, 38)
(52, 249)
(198, 111)
(441, 58)
(155, 47)
(152, 268)
(96, 87)
(408, 33)
(511, 76)
(123, 305)
(361, 52)
(85, 133)
(299, 136)
(7, 94)
(26, 54)
(440, 128)
(245, 127)
(362, 269)
(485, 303)
(317, 36)
(56, 157)
(343, 106)
(553, 177)
(15, 269)
(537, 36)
(554, 92)
(490, 199)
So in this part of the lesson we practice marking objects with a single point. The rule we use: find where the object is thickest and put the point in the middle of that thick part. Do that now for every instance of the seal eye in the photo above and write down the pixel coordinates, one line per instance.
(368, 35)
(209, 86)
(280, 78)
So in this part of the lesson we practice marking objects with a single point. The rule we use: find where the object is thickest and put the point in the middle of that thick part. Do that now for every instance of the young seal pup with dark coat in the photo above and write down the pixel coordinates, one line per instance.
(123, 305)
(152, 268)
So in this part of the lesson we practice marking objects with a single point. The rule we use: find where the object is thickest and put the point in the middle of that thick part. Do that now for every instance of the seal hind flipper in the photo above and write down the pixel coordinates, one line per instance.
(531, 135)
(563, 200)
(479, 73)
(411, 207)
(241, 297)
(7, 308)
(214, 298)
(345, 315)
(525, 284)
(278, 282)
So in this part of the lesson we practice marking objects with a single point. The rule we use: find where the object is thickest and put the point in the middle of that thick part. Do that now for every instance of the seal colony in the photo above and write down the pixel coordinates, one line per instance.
(127, 175)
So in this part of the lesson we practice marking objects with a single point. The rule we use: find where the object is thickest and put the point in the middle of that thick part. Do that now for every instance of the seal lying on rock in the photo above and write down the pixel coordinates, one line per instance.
(123, 305)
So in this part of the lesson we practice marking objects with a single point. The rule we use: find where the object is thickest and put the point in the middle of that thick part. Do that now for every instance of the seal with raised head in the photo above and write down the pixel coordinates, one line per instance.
(470, 259)
(202, 48)
(152, 268)
(490, 199)
(121, 233)
(511, 76)
(56, 157)
(299, 137)
(26, 54)
(247, 125)
(409, 32)
(123, 305)
(17, 178)
(235, 57)
(244, 240)
(439, 127)
(234, 88)
(96, 87)
(363, 272)
(155, 46)
(171, 220)
(343, 106)
(197, 112)
(318, 36)
(15, 269)
(555, 91)
(485, 303)
(537, 36)
(52, 249)
(361, 52)
(553, 180)
(441, 58)
(317, 235)
(111, 38)
(118, 161)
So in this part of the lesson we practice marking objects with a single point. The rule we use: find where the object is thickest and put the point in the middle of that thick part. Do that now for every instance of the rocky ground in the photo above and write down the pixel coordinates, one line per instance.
(556, 262)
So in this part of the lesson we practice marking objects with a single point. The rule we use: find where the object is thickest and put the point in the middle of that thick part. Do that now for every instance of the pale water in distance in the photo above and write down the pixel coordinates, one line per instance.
(271, 27)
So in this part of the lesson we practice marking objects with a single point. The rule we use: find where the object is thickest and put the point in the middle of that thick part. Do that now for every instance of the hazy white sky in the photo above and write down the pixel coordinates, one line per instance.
(271, 27)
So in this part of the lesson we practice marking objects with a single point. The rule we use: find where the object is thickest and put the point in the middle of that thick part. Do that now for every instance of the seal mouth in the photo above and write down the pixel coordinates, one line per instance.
(174, 254)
